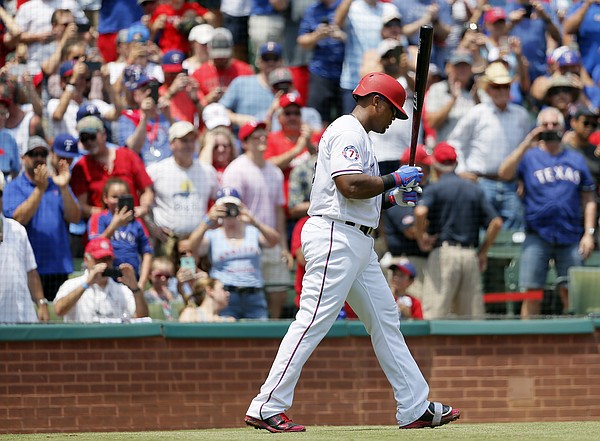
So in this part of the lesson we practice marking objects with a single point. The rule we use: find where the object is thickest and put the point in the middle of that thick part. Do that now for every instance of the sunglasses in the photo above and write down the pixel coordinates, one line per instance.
(588, 123)
(560, 89)
(268, 58)
(160, 274)
(550, 124)
(86, 137)
(38, 154)
(185, 253)
(500, 86)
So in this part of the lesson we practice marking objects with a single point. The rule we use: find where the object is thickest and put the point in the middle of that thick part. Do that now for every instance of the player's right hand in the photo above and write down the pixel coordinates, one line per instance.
(408, 176)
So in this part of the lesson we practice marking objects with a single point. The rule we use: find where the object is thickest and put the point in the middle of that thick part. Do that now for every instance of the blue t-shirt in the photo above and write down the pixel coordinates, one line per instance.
(553, 186)
(129, 241)
(588, 35)
(118, 14)
(157, 146)
(532, 34)
(9, 153)
(262, 7)
(236, 265)
(328, 54)
(47, 230)
(247, 96)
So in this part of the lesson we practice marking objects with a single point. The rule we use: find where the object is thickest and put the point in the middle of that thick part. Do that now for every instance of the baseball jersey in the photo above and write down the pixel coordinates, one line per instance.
(345, 149)
(553, 186)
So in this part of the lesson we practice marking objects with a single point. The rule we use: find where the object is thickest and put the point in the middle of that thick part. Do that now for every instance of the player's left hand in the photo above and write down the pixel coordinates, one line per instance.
(408, 176)
(405, 197)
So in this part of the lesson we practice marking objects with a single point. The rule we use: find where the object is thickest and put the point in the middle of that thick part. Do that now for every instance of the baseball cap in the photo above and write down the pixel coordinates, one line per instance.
(280, 75)
(444, 153)
(249, 128)
(390, 15)
(138, 33)
(66, 68)
(568, 58)
(221, 44)
(290, 98)
(215, 115)
(65, 146)
(87, 109)
(270, 48)
(99, 248)
(460, 57)
(90, 124)
(180, 129)
(421, 156)
(134, 77)
(36, 142)
(172, 61)
(202, 33)
(228, 195)
(494, 14)
(387, 45)
(406, 266)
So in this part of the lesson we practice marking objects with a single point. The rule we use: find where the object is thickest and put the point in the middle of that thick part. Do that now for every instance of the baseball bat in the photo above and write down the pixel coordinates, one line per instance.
(423, 56)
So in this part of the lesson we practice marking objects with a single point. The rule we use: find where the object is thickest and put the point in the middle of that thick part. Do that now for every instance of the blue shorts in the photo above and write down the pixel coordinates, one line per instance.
(535, 257)
(246, 305)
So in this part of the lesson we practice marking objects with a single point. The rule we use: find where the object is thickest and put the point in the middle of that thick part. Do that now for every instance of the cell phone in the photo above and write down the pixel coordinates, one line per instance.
(231, 210)
(93, 66)
(125, 200)
(113, 273)
(154, 90)
(82, 28)
(188, 262)
(528, 10)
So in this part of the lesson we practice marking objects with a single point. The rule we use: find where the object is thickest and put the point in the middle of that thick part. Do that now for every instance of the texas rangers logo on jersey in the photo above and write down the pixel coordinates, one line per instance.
(350, 153)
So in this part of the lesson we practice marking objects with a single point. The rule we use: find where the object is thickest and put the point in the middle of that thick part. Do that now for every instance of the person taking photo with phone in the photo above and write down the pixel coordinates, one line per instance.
(103, 293)
(128, 235)
(233, 239)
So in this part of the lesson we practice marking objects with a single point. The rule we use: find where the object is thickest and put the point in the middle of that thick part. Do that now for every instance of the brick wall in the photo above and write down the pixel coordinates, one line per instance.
(158, 383)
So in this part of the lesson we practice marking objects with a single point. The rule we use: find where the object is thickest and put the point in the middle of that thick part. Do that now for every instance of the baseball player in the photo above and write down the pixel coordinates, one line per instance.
(341, 263)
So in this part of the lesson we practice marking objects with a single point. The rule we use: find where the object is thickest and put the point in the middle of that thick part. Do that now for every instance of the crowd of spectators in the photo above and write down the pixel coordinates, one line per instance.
(167, 148)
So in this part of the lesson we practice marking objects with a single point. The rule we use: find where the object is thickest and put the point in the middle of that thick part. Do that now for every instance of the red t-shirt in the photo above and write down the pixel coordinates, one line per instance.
(208, 77)
(182, 107)
(277, 144)
(170, 38)
(89, 176)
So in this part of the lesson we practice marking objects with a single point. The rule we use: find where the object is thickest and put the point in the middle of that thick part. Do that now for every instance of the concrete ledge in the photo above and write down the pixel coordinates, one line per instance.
(277, 329)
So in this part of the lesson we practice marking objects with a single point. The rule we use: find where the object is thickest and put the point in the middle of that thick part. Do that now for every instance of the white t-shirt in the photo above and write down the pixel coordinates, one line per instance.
(236, 8)
(345, 148)
(16, 260)
(182, 195)
(97, 304)
(69, 122)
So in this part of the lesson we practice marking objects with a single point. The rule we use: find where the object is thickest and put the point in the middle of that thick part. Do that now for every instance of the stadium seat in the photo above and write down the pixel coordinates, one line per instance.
(584, 290)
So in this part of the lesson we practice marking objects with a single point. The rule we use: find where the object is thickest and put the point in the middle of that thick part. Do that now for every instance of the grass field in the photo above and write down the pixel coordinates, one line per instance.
(571, 431)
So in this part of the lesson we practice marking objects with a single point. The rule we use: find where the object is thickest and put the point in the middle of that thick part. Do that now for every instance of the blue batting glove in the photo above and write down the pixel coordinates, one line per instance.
(404, 197)
(408, 176)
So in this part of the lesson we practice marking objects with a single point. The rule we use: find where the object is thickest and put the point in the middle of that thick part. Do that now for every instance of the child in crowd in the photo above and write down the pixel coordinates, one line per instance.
(208, 298)
(164, 287)
(403, 275)
(128, 235)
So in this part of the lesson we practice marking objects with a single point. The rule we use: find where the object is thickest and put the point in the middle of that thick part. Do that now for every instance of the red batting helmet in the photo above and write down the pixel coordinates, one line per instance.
(378, 82)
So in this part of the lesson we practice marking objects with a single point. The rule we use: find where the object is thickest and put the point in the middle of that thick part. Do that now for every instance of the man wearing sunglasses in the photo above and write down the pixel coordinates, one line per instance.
(44, 205)
(584, 122)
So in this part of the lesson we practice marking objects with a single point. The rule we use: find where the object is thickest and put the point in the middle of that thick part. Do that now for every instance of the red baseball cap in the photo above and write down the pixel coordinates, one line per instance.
(421, 156)
(494, 14)
(290, 98)
(444, 153)
(249, 128)
(99, 248)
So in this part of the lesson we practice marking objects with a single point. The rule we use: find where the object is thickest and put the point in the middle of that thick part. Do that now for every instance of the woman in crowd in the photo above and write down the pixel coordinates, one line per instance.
(208, 299)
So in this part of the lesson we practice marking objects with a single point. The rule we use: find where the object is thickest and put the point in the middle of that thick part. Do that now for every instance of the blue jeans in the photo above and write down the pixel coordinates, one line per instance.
(503, 197)
(535, 257)
(246, 305)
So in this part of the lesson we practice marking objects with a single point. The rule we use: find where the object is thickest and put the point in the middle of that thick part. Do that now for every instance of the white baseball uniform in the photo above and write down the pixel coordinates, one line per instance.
(341, 265)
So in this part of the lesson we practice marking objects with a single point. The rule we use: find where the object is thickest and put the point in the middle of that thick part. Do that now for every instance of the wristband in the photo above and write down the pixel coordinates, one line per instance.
(389, 182)
(85, 286)
(207, 220)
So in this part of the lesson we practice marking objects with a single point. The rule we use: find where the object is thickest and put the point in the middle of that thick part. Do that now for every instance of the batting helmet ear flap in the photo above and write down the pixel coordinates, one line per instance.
(385, 85)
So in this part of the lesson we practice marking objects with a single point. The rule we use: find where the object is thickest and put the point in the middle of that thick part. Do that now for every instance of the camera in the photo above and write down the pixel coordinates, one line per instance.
(231, 210)
(82, 28)
(113, 273)
(550, 135)
(528, 10)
